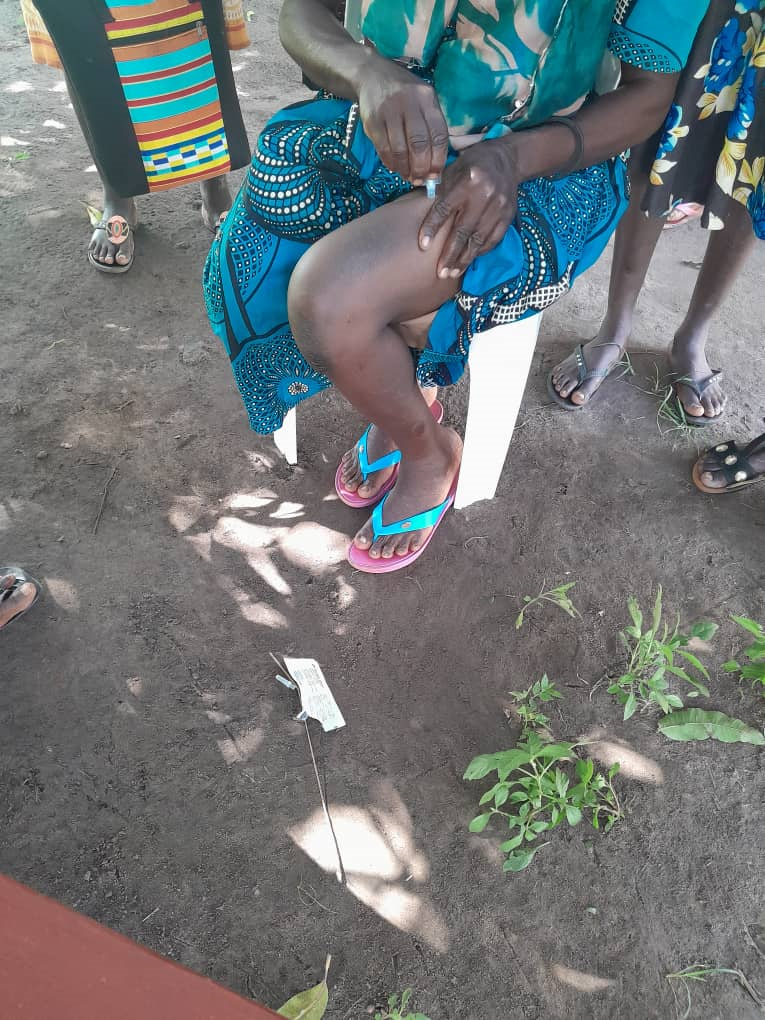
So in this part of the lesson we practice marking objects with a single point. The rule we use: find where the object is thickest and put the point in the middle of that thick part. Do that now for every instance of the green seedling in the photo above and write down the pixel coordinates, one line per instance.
(311, 1004)
(541, 785)
(528, 702)
(556, 596)
(696, 724)
(755, 653)
(399, 1009)
(700, 972)
(653, 657)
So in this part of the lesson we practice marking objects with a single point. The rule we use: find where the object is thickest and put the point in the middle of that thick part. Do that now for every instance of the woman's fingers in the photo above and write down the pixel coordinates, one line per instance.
(395, 154)
(419, 144)
(466, 240)
(439, 137)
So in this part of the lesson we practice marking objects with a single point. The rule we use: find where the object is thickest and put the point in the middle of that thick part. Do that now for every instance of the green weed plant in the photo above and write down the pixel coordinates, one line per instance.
(655, 655)
(540, 786)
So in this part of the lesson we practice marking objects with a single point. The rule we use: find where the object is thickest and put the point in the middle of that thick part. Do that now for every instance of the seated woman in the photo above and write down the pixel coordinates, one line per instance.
(336, 266)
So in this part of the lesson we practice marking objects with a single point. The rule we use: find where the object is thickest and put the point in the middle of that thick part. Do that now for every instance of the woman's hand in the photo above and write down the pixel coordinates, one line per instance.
(475, 205)
(402, 118)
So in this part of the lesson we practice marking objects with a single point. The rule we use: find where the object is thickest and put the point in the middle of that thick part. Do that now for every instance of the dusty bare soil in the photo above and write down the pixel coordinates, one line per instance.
(150, 772)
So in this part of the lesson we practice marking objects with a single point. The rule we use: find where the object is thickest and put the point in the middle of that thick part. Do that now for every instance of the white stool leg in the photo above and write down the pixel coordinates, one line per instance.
(500, 360)
(286, 437)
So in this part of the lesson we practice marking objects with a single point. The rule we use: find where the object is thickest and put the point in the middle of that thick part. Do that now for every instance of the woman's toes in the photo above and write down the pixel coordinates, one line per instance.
(364, 536)
(123, 258)
(409, 544)
(368, 488)
(388, 547)
(710, 479)
(577, 397)
(376, 550)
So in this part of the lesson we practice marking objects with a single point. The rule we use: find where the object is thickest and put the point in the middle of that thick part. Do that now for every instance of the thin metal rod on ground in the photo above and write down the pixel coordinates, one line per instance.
(104, 494)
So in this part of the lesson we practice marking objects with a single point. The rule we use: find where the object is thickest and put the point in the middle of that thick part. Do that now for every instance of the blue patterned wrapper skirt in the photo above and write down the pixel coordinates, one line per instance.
(314, 170)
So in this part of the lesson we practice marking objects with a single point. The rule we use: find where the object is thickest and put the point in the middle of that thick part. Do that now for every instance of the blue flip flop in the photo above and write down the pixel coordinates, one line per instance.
(360, 558)
(391, 459)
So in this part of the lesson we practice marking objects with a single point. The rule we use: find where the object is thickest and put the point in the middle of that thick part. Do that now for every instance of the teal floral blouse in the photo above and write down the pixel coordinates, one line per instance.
(518, 62)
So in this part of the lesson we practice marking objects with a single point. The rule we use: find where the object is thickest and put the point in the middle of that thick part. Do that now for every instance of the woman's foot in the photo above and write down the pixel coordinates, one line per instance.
(14, 601)
(378, 445)
(601, 356)
(687, 360)
(421, 485)
(216, 202)
(102, 250)
(730, 466)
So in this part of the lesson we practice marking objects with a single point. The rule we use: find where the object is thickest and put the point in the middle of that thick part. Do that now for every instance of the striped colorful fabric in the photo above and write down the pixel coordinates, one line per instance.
(170, 90)
(157, 16)
(153, 84)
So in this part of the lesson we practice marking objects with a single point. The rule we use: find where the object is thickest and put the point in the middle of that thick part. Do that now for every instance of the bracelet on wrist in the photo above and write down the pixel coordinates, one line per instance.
(573, 163)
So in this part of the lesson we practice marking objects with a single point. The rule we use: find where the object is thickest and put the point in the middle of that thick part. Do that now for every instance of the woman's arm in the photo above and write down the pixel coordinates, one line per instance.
(317, 41)
(401, 114)
(478, 195)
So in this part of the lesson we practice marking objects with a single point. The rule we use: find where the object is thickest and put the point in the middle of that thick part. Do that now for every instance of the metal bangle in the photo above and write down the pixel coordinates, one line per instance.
(573, 163)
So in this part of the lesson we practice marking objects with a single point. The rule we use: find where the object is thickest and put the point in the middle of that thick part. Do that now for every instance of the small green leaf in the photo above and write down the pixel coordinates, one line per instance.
(502, 794)
(573, 815)
(661, 701)
(511, 844)
(519, 860)
(309, 1005)
(614, 769)
(481, 766)
(585, 769)
(635, 613)
(704, 630)
(479, 823)
(94, 215)
(694, 661)
(696, 724)
(630, 706)
(556, 751)
(752, 626)
(657, 610)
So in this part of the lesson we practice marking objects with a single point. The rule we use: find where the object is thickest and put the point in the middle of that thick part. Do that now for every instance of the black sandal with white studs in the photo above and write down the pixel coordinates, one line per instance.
(733, 461)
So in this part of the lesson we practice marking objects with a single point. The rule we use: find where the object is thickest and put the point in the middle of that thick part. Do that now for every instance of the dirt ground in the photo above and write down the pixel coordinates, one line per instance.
(150, 772)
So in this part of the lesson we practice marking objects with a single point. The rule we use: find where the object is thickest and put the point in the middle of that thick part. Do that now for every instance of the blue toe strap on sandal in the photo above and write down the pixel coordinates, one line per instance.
(427, 519)
(388, 460)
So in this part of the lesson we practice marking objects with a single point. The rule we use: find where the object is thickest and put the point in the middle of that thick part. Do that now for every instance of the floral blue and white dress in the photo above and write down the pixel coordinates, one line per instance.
(712, 147)
(496, 65)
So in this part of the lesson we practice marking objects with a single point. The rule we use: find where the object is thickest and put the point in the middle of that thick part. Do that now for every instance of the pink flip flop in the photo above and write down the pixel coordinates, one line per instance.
(389, 460)
(683, 212)
(360, 558)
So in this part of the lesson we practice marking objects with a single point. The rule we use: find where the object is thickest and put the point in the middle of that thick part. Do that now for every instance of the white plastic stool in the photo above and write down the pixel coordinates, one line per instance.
(500, 361)
(499, 364)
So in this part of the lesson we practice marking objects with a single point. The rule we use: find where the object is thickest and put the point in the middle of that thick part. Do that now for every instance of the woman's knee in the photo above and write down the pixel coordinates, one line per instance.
(317, 312)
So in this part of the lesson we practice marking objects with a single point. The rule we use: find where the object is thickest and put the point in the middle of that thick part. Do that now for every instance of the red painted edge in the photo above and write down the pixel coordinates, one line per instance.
(55, 963)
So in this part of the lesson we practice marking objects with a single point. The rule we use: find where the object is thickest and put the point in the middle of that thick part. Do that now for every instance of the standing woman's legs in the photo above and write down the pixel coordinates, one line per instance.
(101, 249)
(216, 201)
(634, 244)
(726, 254)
